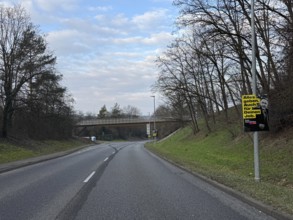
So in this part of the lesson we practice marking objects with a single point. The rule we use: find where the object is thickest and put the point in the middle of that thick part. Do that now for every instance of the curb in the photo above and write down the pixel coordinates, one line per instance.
(34, 160)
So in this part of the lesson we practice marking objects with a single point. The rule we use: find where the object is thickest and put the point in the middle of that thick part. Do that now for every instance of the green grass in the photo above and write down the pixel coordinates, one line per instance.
(10, 152)
(227, 157)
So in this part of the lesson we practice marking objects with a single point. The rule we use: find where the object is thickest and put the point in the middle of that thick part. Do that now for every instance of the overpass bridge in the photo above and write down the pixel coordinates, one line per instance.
(124, 121)
(136, 126)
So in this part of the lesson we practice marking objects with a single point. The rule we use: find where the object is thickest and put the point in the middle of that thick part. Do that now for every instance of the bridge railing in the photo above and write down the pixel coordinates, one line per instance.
(111, 121)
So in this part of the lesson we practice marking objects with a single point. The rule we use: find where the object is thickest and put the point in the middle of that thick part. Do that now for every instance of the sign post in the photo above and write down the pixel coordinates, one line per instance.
(255, 118)
(253, 70)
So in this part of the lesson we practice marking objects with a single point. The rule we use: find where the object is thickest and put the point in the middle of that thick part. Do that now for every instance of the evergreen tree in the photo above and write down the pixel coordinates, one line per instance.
(103, 113)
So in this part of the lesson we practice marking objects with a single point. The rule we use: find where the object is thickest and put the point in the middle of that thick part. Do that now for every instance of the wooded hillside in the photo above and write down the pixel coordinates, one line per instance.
(207, 68)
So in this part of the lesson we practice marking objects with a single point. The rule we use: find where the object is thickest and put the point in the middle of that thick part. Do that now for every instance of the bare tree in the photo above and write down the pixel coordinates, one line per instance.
(116, 111)
(174, 80)
(214, 62)
(131, 111)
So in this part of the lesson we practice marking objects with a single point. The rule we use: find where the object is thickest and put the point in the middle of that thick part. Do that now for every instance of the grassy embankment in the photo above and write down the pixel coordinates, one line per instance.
(10, 151)
(226, 156)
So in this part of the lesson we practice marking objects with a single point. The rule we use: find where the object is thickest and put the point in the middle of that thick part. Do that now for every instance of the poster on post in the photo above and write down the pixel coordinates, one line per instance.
(255, 113)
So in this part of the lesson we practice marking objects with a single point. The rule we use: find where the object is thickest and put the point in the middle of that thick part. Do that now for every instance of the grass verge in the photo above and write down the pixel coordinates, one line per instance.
(10, 151)
(228, 159)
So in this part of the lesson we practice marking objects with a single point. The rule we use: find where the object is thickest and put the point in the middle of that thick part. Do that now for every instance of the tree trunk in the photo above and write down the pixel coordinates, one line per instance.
(7, 118)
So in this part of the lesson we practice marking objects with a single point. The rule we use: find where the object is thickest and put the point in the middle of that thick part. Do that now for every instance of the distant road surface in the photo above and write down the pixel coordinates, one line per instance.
(114, 181)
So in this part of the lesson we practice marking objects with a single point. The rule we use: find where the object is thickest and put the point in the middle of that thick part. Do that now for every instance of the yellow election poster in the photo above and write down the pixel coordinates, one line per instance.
(250, 105)
(255, 113)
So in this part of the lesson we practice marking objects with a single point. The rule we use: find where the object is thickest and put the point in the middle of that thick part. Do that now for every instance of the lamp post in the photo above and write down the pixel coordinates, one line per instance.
(154, 114)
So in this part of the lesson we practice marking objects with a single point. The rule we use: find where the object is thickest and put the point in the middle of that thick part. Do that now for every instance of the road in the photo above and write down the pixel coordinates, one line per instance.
(114, 181)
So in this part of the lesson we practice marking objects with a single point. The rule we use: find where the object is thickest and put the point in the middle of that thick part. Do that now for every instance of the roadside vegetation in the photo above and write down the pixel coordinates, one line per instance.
(226, 156)
(12, 151)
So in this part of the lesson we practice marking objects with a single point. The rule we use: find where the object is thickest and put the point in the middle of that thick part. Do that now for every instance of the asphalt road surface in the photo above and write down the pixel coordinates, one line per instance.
(114, 181)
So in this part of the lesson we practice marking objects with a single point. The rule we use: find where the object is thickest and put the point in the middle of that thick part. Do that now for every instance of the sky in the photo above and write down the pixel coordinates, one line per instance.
(106, 49)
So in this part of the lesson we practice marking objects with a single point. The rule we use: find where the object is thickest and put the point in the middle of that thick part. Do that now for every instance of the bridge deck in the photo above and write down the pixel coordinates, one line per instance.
(115, 121)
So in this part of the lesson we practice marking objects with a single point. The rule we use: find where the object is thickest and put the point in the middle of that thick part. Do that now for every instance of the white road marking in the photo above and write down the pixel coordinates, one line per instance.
(90, 176)
(106, 159)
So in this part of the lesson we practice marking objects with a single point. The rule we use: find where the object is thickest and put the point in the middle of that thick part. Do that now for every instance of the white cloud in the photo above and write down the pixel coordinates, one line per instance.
(100, 8)
(52, 5)
(120, 20)
(100, 17)
(154, 39)
(150, 19)
(159, 38)
(170, 1)
(68, 42)
(6, 3)
(105, 55)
